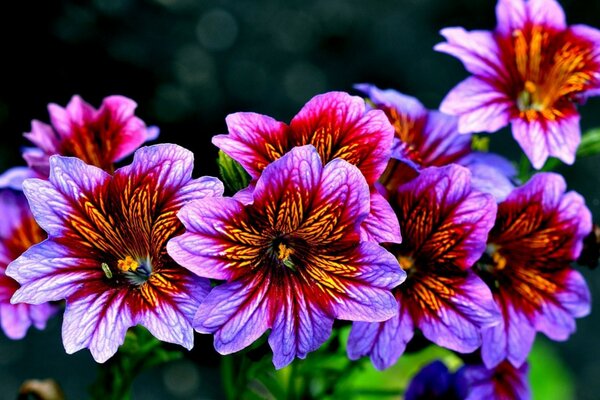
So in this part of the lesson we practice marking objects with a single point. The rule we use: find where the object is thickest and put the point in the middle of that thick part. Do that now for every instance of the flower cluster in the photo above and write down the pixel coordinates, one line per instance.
(373, 211)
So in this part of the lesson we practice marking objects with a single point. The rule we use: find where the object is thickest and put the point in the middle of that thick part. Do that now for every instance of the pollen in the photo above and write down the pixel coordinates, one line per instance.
(284, 252)
(128, 264)
(406, 262)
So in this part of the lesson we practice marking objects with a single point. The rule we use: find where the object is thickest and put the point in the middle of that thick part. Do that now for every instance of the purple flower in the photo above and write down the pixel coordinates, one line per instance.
(538, 233)
(425, 138)
(18, 232)
(530, 72)
(445, 224)
(292, 260)
(503, 382)
(98, 137)
(106, 248)
(435, 381)
(338, 126)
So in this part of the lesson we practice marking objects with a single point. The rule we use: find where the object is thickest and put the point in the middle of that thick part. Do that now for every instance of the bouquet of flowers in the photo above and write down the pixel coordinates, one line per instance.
(366, 230)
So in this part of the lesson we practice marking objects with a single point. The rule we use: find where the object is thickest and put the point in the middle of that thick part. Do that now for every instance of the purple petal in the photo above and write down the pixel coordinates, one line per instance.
(503, 382)
(168, 166)
(478, 51)
(557, 316)
(463, 306)
(49, 272)
(383, 341)
(339, 125)
(411, 108)
(98, 320)
(439, 207)
(43, 136)
(540, 138)
(205, 248)
(299, 327)
(237, 313)
(254, 140)
(381, 225)
(50, 201)
(13, 178)
(491, 173)
(77, 113)
(480, 106)
(511, 339)
(374, 271)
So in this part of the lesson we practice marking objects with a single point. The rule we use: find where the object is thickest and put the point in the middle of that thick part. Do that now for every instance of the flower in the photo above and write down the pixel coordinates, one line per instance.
(292, 260)
(503, 382)
(98, 137)
(425, 138)
(530, 72)
(445, 224)
(538, 233)
(18, 231)
(338, 126)
(105, 253)
(435, 381)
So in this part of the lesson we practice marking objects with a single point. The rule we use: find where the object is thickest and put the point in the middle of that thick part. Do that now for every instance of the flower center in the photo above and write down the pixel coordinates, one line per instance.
(551, 70)
(135, 271)
(283, 252)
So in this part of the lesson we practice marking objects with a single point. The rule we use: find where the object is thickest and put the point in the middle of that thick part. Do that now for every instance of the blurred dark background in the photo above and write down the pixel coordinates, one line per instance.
(189, 63)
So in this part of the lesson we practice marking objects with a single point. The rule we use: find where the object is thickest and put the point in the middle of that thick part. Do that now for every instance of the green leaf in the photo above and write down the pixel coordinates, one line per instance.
(233, 174)
(549, 377)
(590, 143)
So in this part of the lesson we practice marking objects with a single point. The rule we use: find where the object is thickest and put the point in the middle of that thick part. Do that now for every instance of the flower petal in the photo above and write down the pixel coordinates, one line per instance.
(237, 313)
(443, 219)
(97, 319)
(540, 138)
(458, 307)
(338, 125)
(254, 140)
(480, 106)
(381, 225)
(478, 51)
(299, 327)
(511, 339)
(49, 271)
(383, 341)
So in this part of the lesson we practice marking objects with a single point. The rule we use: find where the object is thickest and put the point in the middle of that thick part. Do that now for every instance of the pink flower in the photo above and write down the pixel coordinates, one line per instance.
(98, 137)
(530, 72)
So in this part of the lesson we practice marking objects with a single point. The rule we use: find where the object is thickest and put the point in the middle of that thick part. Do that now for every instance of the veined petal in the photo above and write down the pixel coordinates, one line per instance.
(98, 320)
(491, 173)
(290, 183)
(442, 219)
(254, 140)
(48, 272)
(411, 109)
(339, 206)
(338, 125)
(69, 178)
(452, 309)
(125, 131)
(381, 224)
(214, 237)
(540, 138)
(299, 326)
(539, 225)
(502, 382)
(479, 105)
(367, 276)
(77, 113)
(384, 342)
(477, 50)
(237, 313)
(511, 339)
